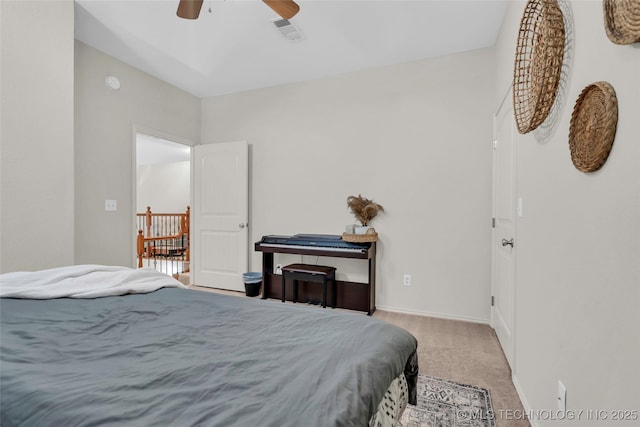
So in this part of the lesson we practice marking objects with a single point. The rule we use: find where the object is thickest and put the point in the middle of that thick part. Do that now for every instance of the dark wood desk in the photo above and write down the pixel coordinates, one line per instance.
(350, 295)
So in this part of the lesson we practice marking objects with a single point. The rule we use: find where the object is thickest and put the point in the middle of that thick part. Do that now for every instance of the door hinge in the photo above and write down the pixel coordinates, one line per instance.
(493, 300)
(493, 223)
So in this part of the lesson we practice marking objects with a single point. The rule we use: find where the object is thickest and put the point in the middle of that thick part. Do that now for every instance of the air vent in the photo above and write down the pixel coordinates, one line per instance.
(288, 30)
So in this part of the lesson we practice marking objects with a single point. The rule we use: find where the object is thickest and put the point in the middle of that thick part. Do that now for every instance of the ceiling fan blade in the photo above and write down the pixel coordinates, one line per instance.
(285, 8)
(189, 9)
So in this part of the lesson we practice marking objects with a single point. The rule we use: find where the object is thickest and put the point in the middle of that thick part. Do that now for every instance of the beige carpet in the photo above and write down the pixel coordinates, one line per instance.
(464, 352)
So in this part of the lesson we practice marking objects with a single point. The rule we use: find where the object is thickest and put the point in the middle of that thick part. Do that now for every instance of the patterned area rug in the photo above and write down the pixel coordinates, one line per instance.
(447, 404)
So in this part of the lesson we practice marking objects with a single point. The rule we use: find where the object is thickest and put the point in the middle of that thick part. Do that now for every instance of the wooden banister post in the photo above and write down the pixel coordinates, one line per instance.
(184, 228)
(140, 246)
(148, 216)
(187, 255)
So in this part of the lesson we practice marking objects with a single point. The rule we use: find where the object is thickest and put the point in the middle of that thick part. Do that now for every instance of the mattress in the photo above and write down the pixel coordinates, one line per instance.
(182, 357)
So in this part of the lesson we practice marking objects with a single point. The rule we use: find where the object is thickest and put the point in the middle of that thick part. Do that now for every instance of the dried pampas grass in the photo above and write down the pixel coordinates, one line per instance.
(363, 209)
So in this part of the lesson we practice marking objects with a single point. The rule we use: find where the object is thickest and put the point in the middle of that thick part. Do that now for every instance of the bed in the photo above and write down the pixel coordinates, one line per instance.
(107, 346)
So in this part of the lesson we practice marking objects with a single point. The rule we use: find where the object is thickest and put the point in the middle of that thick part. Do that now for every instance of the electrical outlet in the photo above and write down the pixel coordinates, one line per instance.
(110, 205)
(562, 397)
(278, 268)
(406, 280)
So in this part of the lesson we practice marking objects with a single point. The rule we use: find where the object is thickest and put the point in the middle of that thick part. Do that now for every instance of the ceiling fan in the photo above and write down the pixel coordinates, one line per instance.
(190, 9)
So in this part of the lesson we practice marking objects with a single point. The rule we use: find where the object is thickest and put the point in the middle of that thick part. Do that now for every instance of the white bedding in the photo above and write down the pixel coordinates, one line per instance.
(83, 281)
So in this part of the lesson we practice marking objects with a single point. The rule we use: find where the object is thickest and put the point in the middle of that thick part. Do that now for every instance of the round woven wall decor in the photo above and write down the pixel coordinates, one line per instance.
(593, 126)
(538, 63)
(622, 20)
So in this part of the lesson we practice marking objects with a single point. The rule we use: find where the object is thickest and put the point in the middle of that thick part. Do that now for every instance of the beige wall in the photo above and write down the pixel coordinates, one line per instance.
(37, 194)
(578, 249)
(104, 148)
(165, 187)
(414, 137)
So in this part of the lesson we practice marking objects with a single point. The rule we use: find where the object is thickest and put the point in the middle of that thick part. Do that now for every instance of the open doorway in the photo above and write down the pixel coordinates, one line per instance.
(163, 195)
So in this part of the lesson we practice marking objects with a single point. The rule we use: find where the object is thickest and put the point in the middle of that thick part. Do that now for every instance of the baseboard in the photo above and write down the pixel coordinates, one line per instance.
(431, 314)
(523, 399)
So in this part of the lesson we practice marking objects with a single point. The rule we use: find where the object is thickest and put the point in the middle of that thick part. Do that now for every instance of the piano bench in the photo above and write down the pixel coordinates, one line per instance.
(310, 273)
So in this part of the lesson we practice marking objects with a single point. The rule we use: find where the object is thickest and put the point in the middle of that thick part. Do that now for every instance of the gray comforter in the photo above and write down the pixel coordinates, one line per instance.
(178, 357)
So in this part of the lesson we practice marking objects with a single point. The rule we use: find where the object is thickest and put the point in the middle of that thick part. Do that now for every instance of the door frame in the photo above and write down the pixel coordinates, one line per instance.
(514, 159)
(135, 129)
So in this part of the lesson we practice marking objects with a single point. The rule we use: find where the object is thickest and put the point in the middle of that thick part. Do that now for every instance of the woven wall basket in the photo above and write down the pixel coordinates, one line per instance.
(622, 20)
(538, 63)
(593, 126)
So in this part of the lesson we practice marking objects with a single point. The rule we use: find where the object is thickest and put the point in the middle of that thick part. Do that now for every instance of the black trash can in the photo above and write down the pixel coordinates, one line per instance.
(252, 283)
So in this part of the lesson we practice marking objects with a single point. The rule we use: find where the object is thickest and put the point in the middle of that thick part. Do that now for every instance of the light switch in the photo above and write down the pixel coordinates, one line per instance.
(110, 205)
(519, 207)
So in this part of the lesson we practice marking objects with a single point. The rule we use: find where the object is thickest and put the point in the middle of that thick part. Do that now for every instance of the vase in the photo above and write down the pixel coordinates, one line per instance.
(361, 229)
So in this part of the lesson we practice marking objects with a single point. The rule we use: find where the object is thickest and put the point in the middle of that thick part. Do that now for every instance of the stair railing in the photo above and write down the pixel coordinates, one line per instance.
(163, 241)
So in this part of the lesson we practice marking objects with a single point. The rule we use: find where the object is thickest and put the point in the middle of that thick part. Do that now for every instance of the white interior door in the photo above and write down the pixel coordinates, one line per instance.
(503, 236)
(220, 244)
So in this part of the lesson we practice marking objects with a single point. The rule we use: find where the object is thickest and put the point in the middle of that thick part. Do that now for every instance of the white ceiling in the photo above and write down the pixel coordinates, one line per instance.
(236, 47)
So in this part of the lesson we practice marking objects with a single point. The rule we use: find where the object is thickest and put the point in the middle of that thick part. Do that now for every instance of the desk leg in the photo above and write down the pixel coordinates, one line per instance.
(324, 292)
(267, 270)
(334, 289)
(372, 280)
(283, 282)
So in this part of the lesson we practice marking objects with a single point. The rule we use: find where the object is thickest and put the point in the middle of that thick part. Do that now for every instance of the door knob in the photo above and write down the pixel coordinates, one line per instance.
(242, 225)
(506, 242)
